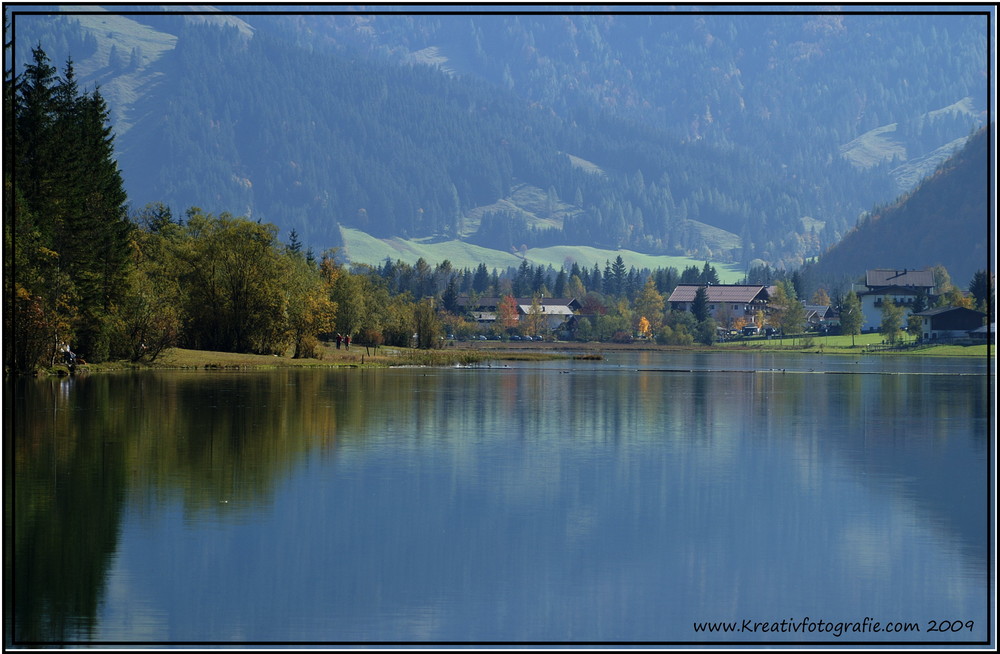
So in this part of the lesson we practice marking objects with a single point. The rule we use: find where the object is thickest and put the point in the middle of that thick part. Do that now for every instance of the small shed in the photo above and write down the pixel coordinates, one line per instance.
(986, 333)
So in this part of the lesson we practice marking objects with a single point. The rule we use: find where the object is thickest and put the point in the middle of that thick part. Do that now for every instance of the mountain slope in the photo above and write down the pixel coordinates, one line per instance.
(944, 221)
(704, 135)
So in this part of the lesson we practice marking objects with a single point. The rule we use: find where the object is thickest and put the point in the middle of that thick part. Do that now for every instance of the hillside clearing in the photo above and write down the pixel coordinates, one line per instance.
(363, 248)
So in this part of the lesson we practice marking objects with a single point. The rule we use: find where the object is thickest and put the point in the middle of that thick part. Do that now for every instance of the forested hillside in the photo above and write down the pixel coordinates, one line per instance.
(945, 221)
(733, 138)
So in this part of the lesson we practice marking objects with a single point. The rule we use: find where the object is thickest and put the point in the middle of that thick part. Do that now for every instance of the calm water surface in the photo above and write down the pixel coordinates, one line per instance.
(621, 500)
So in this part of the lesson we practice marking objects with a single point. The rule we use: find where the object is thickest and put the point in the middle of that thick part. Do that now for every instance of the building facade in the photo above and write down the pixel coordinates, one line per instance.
(949, 322)
(725, 301)
(903, 287)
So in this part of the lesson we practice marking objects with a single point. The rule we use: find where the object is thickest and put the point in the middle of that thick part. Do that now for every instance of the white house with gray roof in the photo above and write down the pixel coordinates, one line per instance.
(902, 286)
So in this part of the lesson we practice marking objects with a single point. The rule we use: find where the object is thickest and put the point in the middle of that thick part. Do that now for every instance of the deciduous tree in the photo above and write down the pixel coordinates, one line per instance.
(851, 317)
(649, 305)
(507, 316)
(234, 276)
(427, 326)
(892, 320)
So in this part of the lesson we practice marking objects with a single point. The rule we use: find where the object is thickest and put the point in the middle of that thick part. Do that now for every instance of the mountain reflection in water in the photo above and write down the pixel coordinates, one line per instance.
(574, 501)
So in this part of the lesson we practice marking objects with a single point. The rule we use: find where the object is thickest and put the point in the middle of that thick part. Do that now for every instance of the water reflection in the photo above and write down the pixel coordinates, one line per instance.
(572, 502)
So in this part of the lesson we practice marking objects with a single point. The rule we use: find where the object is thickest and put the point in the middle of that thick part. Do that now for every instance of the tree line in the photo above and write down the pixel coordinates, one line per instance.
(83, 271)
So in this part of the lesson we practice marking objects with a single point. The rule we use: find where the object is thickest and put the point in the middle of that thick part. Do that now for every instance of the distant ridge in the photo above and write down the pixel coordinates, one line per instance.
(945, 220)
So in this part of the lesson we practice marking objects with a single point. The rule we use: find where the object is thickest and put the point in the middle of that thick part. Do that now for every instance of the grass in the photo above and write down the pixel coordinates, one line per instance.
(459, 355)
(843, 345)
(873, 147)
(363, 248)
(329, 357)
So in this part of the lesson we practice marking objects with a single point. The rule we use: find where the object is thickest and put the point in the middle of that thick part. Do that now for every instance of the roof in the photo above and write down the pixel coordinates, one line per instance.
(938, 311)
(493, 301)
(894, 277)
(736, 293)
(820, 310)
(548, 309)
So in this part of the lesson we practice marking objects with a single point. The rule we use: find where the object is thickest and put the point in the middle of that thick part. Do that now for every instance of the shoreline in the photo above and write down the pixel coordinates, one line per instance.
(454, 353)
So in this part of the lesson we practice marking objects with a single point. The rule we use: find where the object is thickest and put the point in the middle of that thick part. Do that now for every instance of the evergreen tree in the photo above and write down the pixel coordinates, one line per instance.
(294, 244)
(708, 275)
(618, 277)
(73, 193)
(559, 288)
(481, 280)
(449, 299)
(981, 289)
(691, 275)
(595, 284)
(699, 307)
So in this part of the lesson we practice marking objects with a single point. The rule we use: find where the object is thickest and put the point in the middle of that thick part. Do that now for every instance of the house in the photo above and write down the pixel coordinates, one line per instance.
(901, 286)
(555, 313)
(486, 309)
(820, 316)
(949, 322)
(725, 300)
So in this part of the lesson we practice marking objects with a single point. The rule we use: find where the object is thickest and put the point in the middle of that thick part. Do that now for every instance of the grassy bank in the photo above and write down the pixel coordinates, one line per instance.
(482, 353)
(328, 357)
(853, 345)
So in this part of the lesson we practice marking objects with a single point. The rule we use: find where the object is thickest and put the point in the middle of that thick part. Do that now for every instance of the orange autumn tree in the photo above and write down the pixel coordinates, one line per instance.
(644, 330)
(507, 313)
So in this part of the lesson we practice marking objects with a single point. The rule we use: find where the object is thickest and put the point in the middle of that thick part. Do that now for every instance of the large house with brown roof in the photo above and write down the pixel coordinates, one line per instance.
(733, 300)
(901, 286)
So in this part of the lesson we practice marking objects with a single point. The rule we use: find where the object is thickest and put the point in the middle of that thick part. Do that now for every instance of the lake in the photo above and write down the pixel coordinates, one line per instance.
(662, 498)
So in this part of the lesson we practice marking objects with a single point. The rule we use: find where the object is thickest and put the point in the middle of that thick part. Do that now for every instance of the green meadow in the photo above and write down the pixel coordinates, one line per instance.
(363, 248)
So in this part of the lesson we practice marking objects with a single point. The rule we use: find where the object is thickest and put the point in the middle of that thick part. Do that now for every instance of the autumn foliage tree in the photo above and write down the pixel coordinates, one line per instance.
(507, 315)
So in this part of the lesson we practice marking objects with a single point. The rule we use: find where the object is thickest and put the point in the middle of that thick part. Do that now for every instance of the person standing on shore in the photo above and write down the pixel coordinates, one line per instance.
(339, 340)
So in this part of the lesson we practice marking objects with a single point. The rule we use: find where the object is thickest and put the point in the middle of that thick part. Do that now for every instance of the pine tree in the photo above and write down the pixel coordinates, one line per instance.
(73, 195)
(699, 307)
(618, 273)
(559, 288)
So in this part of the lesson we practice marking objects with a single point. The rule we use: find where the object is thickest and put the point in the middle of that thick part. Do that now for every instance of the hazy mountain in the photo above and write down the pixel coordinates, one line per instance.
(735, 137)
(946, 220)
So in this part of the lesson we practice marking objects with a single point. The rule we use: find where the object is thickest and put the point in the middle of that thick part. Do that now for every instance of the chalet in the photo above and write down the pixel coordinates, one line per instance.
(949, 322)
(732, 300)
(820, 316)
(485, 309)
(555, 313)
(901, 286)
